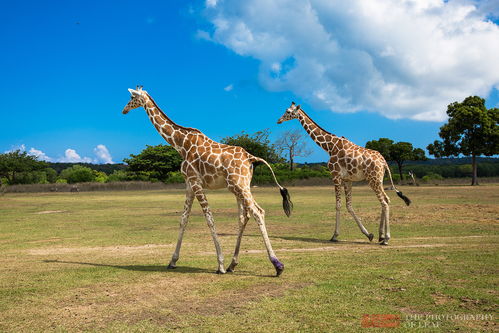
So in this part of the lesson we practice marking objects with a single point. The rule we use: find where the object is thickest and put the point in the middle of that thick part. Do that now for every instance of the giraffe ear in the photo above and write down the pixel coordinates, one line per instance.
(133, 92)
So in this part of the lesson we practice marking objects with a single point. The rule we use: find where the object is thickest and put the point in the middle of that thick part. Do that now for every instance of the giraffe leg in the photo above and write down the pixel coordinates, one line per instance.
(348, 195)
(259, 215)
(201, 197)
(387, 224)
(337, 190)
(384, 228)
(189, 198)
(243, 220)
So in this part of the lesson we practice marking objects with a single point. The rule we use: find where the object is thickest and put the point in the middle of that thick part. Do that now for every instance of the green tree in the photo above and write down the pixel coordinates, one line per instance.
(471, 130)
(399, 152)
(78, 174)
(257, 144)
(51, 175)
(15, 163)
(158, 161)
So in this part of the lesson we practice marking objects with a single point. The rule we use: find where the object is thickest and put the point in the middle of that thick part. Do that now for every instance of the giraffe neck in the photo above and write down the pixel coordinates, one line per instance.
(322, 138)
(174, 134)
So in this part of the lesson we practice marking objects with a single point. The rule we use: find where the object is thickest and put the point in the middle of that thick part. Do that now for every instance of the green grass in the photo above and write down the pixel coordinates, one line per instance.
(97, 262)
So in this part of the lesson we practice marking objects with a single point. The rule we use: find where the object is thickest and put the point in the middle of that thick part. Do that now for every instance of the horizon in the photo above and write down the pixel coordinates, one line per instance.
(69, 65)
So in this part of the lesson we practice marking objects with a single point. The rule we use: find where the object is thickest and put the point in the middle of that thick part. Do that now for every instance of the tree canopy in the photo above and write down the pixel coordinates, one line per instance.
(399, 152)
(471, 130)
(158, 161)
(257, 144)
(15, 163)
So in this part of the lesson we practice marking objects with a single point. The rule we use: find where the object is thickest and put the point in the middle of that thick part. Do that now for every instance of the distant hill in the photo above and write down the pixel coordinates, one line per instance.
(106, 168)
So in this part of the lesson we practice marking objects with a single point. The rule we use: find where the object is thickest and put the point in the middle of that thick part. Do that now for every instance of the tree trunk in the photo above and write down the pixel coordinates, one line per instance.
(290, 161)
(400, 171)
(474, 177)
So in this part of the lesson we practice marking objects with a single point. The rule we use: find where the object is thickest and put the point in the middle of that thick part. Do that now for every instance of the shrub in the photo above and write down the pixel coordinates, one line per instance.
(175, 177)
(432, 176)
(78, 174)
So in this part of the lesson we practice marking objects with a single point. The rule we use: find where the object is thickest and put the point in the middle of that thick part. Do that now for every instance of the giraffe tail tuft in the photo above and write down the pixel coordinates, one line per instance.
(287, 205)
(405, 198)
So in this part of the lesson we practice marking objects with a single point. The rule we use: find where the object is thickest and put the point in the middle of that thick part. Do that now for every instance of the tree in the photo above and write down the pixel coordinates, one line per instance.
(471, 130)
(78, 174)
(292, 144)
(14, 163)
(257, 144)
(399, 152)
(158, 161)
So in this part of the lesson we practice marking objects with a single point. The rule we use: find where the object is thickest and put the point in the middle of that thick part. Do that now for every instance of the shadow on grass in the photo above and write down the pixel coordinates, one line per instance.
(154, 268)
(138, 268)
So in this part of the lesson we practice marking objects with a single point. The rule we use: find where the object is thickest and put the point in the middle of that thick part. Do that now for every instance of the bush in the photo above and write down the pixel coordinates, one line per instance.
(432, 176)
(78, 174)
(100, 176)
(175, 177)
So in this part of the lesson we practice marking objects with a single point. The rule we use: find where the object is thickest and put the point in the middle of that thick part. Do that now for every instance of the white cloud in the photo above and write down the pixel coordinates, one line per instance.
(103, 155)
(229, 87)
(211, 3)
(71, 156)
(203, 35)
(400, 58)
(21, 147)
(39, 155)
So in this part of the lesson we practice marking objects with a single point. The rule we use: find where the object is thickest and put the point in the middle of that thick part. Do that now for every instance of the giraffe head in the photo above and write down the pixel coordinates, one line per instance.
(291, 113)
(137, 99)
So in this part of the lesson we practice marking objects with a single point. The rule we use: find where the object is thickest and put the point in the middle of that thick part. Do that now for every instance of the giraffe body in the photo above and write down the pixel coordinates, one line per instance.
(210, 165)
(348, 163)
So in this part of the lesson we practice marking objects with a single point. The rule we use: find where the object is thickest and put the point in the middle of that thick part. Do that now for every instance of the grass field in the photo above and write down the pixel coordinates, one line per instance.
(97, 262)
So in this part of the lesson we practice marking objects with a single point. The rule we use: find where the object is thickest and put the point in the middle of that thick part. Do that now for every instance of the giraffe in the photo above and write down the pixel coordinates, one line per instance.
(348, 163)
(210, 165)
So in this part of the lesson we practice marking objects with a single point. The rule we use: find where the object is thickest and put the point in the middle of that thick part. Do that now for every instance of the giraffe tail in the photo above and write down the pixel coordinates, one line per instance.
(287, 204)
(399, 193)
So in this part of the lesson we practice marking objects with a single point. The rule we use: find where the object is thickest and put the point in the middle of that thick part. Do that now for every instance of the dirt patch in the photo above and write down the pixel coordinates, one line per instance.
(163, 301)
(51, 211)
(440, 299)
(345, 247)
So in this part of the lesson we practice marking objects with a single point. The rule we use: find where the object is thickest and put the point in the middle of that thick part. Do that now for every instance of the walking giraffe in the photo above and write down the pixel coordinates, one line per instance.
(209, 164)
(348, 163)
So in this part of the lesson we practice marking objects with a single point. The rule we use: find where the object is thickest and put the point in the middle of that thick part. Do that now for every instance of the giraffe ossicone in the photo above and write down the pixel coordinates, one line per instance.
(210, 165)
(349, 162)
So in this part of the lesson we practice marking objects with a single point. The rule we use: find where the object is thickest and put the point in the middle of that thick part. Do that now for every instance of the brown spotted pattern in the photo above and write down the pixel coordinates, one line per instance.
(207, 165)
(348, 162)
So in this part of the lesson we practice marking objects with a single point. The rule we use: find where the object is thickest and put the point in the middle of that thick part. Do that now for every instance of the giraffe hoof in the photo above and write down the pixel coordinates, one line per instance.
(370, 236)
(279, 271)
(170, 266)
(381, 239)
(384, 242)
(334, 240)
(230, 269)
(220, 271)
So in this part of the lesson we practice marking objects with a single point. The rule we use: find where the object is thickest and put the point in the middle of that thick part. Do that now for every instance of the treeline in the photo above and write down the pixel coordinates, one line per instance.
(162, 164)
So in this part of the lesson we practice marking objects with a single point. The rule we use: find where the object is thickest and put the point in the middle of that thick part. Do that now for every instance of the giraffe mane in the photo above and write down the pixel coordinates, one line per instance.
(164, 114)
(315, 122)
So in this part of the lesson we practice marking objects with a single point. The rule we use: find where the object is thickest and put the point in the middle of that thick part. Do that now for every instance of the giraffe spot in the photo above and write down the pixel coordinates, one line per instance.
(159, 120)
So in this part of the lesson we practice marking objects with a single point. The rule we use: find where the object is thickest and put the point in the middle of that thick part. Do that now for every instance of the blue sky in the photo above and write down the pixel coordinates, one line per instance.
(219, 67)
